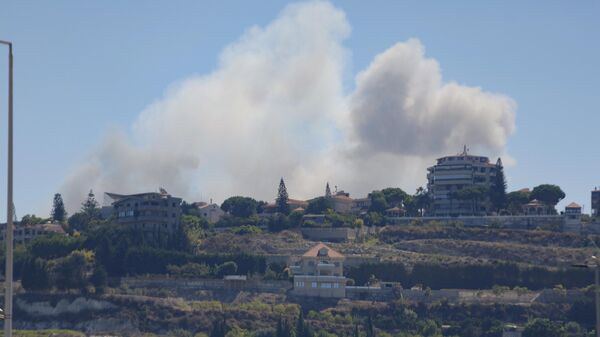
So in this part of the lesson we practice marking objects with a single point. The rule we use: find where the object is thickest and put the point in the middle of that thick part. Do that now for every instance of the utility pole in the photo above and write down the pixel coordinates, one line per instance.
(597, 292)
(8, 276)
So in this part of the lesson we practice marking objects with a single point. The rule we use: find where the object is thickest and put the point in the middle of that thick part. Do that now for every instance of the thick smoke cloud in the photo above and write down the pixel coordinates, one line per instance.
(275, 107)
(401, 106)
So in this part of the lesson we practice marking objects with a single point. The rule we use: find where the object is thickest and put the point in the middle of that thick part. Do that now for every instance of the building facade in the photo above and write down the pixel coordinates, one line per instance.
(211, 212)
(320, 273)
(148, 212)
(596, 202)
(23, 234)
(452, 174)
(572, 218)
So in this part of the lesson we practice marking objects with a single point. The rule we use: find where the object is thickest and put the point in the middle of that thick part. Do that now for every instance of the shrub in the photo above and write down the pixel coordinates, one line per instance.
(227, 268)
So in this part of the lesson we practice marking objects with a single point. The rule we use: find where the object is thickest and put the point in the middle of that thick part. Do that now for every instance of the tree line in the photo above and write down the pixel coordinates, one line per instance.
(481, 276)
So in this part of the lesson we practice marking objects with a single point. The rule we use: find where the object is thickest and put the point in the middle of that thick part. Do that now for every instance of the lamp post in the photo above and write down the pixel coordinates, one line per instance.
(8, 276)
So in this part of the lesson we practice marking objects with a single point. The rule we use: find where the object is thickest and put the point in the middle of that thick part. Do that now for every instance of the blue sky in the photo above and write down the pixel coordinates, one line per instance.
(83, 69)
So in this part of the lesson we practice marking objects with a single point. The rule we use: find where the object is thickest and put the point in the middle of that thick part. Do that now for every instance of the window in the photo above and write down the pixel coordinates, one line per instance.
(326, 285)
(313, 284)
(336, 285)
(300, 284)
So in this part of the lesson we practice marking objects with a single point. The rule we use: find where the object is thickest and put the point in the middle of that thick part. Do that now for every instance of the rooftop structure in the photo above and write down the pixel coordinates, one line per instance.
(572, 218)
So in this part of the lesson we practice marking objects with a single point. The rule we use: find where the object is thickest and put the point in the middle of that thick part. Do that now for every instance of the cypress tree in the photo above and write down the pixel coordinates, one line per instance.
(282, 198)
(497, 190)
(370, 329)
(327, 191)
(90, 206)
(356, 333)
(58, 209)
(302, 329)
(279, 328)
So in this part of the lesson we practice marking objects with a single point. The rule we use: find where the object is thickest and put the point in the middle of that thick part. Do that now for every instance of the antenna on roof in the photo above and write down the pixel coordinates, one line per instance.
(465, 150)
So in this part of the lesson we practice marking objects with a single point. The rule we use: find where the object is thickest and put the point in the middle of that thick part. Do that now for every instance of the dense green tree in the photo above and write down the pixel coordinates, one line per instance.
(242, 207)
(219, 328)
(58, 209)
(394, 196)
(302, 329)
(35, 274)
(88, 215)
(90, 206)
(278, 223)
(475, 194)
(378, 202)
(282, 198)
(369, 328)
(374, 219)
(31, 219)
(548, 194)
(54, 246)
(99, 278)
(497, 191)
(422, 200)
(279, 328)
(196, 270)
(516, 200)
(70, 272)
(227, 268)
(319, 205)
(542, 327)
(260, 207)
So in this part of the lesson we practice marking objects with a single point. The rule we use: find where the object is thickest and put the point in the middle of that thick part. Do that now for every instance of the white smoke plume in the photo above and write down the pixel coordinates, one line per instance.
(275, 106)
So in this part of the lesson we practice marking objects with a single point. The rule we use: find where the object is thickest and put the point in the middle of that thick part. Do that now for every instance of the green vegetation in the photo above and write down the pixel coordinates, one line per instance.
(497, 191)
(282, 198)
(58, 209)
(548, 194)
(242, 207)
(46, 333)
(477, 276)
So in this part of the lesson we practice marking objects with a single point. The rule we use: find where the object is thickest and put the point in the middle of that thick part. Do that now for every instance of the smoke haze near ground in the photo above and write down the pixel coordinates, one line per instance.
(275, 106)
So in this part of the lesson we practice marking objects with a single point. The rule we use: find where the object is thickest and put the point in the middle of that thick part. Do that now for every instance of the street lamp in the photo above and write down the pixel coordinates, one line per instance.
(8, 276)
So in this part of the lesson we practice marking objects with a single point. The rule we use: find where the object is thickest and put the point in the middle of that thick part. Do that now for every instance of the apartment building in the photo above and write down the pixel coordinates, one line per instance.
(454, 173)
(149, 212)
(23, 234)
(596, 202)
(320, 273)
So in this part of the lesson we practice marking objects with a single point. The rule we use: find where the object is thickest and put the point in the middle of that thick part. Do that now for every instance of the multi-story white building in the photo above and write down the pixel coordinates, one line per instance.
(319, 272)
(148, 212)
(454, 173)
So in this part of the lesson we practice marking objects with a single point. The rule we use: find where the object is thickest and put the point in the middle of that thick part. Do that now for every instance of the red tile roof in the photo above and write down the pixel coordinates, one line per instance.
(314, 251)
